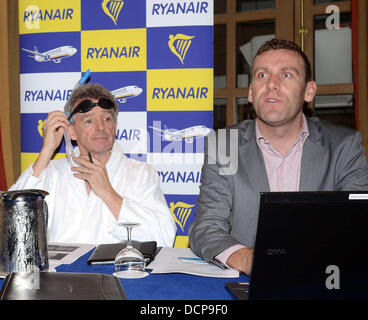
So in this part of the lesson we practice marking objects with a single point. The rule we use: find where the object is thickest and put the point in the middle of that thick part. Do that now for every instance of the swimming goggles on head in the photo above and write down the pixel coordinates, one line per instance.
(87, 105)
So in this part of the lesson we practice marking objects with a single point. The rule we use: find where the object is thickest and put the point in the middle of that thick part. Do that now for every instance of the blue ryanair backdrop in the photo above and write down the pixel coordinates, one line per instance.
(173, 124)
(107, 15)
(45, 52)
(117, 81)
(187, 47)
(155, 56)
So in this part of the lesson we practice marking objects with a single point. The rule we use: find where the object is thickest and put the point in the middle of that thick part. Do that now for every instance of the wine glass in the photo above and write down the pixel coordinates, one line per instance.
(129, 262)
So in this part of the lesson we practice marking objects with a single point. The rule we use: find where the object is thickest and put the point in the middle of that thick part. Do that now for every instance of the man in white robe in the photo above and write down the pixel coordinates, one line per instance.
(87, 203)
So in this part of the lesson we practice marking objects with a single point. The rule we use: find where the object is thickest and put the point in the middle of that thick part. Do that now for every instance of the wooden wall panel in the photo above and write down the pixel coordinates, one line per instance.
(363, 70)
(9, 89)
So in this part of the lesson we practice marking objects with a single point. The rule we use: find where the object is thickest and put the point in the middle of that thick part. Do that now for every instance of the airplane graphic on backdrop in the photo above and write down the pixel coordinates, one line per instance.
(188, 134)
(54, 55)
(122, 94)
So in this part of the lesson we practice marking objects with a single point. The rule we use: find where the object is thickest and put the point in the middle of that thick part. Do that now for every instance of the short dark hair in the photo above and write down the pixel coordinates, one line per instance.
(91, 91)
(278, 44)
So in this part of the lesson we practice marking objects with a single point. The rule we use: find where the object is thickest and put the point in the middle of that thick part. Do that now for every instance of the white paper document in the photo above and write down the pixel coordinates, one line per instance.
(66, 253)
(183, 260)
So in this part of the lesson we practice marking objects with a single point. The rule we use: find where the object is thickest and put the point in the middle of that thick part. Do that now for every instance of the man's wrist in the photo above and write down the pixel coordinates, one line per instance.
(224, 256)
(241, 260)
(41, 162)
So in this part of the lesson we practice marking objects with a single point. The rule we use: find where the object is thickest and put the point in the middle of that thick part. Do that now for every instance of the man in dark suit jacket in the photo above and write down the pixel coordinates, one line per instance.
(281, 150)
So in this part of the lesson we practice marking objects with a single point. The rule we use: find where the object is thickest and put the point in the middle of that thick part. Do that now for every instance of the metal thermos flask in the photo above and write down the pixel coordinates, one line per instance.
(23, 224)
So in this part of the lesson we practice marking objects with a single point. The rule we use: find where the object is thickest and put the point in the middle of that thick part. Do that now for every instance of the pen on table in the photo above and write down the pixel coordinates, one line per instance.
(190, 258)
(90, 157)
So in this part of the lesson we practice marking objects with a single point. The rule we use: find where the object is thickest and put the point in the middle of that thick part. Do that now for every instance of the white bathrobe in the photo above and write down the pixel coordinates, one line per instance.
(74, 216)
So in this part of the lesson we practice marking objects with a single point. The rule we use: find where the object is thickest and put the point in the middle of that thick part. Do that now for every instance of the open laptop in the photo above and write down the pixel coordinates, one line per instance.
(311, 245)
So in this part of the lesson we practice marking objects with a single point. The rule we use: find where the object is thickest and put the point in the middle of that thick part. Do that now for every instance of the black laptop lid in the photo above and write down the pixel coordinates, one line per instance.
(311, 245)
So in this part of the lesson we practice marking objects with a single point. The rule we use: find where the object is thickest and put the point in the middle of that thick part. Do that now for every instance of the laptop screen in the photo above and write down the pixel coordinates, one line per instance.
(311, 245)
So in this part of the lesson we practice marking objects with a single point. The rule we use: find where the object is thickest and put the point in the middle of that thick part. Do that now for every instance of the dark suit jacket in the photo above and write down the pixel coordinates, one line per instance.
(227, 213)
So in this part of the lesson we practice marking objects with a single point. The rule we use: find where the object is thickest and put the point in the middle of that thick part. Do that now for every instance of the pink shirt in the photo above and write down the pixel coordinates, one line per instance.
(283, 172)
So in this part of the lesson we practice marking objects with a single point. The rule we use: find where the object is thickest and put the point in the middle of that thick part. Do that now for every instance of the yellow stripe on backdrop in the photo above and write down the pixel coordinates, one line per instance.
(36, 16)
(114, 50)
(180, 90)
(27, 158)
(181, 242)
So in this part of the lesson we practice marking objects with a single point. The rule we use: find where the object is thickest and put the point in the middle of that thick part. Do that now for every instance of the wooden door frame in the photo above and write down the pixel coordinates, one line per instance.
(9, 87)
